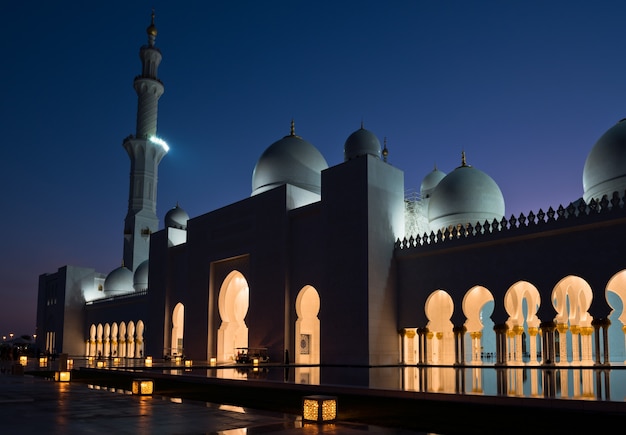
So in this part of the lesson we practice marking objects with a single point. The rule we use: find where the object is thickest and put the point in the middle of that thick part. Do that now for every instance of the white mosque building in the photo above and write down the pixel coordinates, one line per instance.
(337, 265)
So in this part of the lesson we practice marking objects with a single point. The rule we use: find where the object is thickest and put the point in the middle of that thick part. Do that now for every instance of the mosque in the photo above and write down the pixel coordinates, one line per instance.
(339, 266)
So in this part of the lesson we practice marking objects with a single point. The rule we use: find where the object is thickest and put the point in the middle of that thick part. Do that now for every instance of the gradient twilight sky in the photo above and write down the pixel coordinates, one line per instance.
(524, 87)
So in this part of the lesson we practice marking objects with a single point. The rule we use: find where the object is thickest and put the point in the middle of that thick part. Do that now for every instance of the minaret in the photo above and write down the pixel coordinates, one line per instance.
(145, 151)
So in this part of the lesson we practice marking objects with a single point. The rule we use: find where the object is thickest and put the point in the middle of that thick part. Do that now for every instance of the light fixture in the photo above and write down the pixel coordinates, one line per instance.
(142, 387)
(101, 364)
(213, 362)
(70, 363)
(23, 360)
(62, 376)
(116, 360)
(43, 361)
(320, 409)
(188, 363)
(178, 359)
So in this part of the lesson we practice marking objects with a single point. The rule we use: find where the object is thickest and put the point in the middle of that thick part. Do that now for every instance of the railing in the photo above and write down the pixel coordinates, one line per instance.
(569, 214)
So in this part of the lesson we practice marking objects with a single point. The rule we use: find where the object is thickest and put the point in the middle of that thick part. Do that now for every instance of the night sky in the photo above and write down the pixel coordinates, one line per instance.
(525, 88)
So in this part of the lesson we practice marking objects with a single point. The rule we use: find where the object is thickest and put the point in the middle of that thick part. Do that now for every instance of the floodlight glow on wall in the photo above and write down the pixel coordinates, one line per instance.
(70, 363)
(159, 141)
(62, 376)
(320, 409)
(142, 387)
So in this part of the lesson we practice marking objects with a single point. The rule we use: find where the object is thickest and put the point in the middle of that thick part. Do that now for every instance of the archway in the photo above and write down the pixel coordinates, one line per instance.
(233, 303)
(521, 303)
(478, 305)
(572, 298)
(178, 330)
(307, 335)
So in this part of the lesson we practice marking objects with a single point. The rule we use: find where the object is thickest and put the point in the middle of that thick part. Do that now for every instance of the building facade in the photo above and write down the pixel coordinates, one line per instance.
(337, 265)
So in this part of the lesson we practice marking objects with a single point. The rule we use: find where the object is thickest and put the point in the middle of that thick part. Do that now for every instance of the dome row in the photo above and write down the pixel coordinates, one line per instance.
(466, 195)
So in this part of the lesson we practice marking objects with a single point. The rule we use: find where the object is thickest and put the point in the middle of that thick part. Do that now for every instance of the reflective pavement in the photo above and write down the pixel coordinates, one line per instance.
(32, 404)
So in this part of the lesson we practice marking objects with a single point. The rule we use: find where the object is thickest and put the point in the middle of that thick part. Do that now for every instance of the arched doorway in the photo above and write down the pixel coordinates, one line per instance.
(233, 302)
(307, 326)
(178, 330)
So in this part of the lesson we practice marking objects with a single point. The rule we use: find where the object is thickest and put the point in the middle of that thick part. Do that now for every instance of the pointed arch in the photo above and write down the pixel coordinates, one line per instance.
(178, 330)
(439, 308)
(307, 326)
(477, 305)
(521, 302)
(233, 304)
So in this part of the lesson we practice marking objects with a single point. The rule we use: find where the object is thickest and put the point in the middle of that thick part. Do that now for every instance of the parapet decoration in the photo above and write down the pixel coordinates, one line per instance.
(573, 213)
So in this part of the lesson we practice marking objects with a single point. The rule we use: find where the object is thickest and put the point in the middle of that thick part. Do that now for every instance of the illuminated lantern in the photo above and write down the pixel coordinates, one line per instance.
(213, 362)
(62, 376)
(23, 360)
(320, 409)
(142, 387)
(188, 363)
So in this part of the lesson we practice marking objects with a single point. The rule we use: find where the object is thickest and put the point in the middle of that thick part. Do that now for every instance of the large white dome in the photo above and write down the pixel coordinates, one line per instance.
(465, 196)
(290, 160)
(119, 281)
(605, 167)
(360, 143)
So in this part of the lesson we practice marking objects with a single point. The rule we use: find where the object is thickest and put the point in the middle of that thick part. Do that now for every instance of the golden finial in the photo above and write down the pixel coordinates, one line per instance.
(152, 30)
(463, 161)
(385, 150)
(362, 124)
(292, 132)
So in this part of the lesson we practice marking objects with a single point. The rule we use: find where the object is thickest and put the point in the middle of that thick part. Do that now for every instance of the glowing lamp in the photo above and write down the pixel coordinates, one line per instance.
(320, 409)
(159, 141)
(62, 376)
(142, 387)
(188, 363)
(90, 360)
(101, 364)
(148, 361)
(43, 361)
(213, 362)
(23, 360)
(70, 363)
(255, 361)
(178, 359)
(116, 360)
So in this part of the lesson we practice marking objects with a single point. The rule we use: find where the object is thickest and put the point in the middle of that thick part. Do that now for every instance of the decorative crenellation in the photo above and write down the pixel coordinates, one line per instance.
(573, 212)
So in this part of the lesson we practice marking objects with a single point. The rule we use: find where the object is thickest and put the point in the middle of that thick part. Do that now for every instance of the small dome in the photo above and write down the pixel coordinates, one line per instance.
(119, 281)
(140, 279)
(176, 218)
(360, 143)
(465, 196)
(430, 181)
(605, 167)
(290, 160)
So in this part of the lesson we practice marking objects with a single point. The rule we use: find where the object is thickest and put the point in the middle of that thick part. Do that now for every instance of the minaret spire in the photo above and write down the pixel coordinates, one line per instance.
(145, 151)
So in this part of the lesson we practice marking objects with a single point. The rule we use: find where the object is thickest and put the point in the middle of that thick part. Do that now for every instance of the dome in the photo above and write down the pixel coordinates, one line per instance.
(119, 280)
(430, 181)
(465, 196)
(290, 160)
(176, 218)
(605, 167)
(140, 279)
(361, 142)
